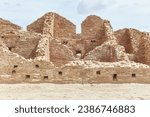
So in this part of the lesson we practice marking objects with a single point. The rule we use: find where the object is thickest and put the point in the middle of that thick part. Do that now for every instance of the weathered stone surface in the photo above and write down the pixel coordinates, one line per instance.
(107, 52)
(54, 25)
(92, 26)
(143, 53)
(7, 25)
(129, 38)
(51, 51)
(136, 44)
(60, 54)
(94, 32)
(21, 42)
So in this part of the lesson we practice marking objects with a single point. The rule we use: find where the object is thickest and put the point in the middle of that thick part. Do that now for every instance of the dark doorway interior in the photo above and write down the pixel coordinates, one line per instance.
(114, 77)
(133, 75)
(98, 72)
(27, 76)
(60, 73)
(45, 77)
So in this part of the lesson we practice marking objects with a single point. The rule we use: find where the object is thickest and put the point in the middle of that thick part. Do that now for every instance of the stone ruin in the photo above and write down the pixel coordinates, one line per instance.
(51, 51)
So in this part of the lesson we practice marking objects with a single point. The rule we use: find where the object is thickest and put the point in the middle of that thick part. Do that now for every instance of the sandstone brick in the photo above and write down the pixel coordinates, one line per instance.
(7, 25)
(51, 51)
(54, 25)
(21, 42)
(60, 54)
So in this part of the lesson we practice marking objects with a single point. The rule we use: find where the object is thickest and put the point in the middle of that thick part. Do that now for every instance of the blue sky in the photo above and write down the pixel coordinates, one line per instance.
(121, 13)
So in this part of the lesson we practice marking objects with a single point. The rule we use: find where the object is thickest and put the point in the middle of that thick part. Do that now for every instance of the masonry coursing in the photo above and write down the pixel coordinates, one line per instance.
(51, 51)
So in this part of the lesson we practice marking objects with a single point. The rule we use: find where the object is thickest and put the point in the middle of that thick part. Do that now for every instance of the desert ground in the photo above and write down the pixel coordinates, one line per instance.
(74, 91)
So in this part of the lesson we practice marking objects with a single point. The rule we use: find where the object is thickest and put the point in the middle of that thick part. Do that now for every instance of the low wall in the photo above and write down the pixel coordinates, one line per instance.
(43, 72)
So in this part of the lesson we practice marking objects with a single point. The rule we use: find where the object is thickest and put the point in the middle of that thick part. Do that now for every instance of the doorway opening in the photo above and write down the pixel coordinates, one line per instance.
(60, 73)
(45, 77)
(14, 71)
(114, 77)
(98, 72)
(27, 76)
(133, 75)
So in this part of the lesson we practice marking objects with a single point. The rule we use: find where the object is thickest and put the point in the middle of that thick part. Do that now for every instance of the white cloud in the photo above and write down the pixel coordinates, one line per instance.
(89, 6)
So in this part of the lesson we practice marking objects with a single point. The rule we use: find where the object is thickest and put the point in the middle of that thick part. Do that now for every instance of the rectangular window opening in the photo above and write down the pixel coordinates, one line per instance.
(45, 77)
(93, 41)
(27, 76)
(37, 66)
(114, 77)
(78, 51)
(65, 42)
(10, 48)
(98, 72)
(14, 71)
(133, 75)
(15, 66)
(60, 73)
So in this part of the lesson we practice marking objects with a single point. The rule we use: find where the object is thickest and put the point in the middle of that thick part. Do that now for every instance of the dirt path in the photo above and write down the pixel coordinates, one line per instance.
(74, 91)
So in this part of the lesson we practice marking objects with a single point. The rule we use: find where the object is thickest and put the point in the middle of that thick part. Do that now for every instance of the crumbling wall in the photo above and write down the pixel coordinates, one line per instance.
(142, 55)
(15, 68)
(129, 38)
(89, 44)
(21, 42)
(8, 59)
(50, 51)
(37, 26)
(124, 39)
(48, 25)
(92, 26)
(63, 27)
(135, 43)
(60, 54)
(75, 45)
(95, 31)
(109, 33)
(54, 25)
(42, 50)
(34, 71)
(100, 31)
(102, 54)
(110, 51)
(43, 25)
(92, 32)
(7, 25)
(104, 72)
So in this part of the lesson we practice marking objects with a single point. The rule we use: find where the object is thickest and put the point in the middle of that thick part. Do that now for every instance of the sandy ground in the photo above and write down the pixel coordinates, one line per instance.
(74, 91)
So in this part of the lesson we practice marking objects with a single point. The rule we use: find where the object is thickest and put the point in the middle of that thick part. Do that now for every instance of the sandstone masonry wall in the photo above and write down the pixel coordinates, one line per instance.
(53, 24)
(63, 27)
(143, 53)
(92, 26)
(50, 51)
(21, 42)
(60, 54)
(7, 25)
(37, 26)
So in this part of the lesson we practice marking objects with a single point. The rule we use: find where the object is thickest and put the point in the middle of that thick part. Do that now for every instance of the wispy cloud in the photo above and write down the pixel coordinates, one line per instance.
(88, 6)
(5, 3)
(18, 4)
(8, 4)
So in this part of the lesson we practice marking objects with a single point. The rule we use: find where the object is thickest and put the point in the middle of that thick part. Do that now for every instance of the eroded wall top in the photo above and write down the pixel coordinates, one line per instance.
(92, 26)
(54, 25)
(53, 38)
(7, 25)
